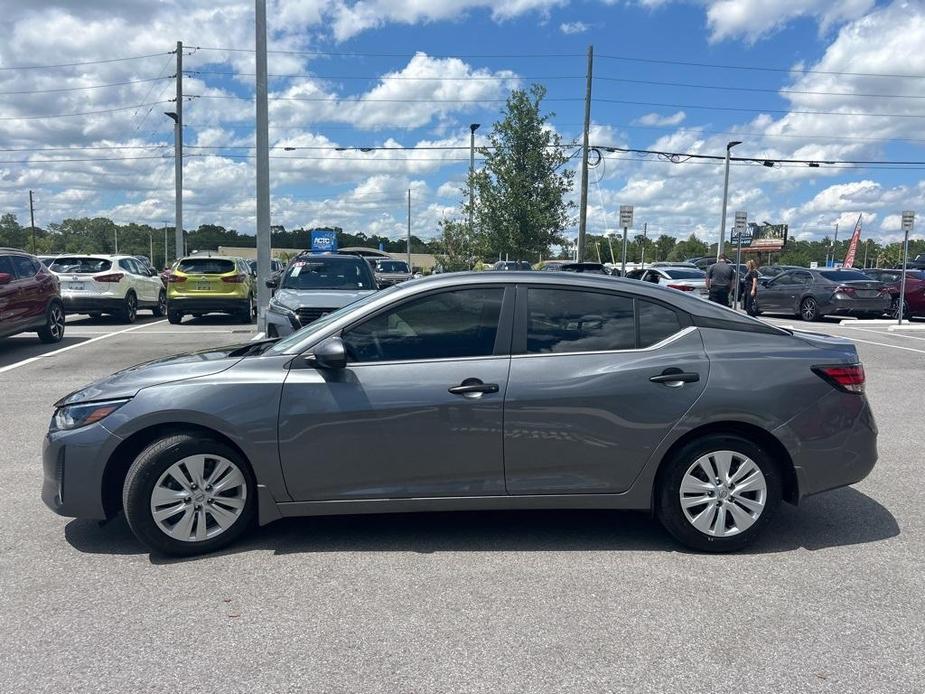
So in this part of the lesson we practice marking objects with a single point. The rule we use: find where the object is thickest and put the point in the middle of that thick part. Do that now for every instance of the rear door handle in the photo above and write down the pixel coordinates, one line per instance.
(472, 386)
(675, 378)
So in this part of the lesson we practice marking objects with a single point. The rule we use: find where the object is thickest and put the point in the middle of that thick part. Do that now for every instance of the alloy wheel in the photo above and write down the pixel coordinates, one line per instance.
(198, 498)
(808, 309)
(56, 322)
(131, 307)
(894, 309)
(723, 493)
(162, 303)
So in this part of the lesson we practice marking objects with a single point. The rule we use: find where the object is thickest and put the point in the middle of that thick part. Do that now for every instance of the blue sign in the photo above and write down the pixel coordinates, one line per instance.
(324, 241)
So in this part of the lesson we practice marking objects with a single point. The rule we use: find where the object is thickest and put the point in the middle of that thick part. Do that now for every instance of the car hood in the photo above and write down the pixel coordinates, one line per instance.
(318, 298)
(127, 383)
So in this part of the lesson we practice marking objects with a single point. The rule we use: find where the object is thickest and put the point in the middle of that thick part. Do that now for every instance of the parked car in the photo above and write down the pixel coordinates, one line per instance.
(512, 265)
(388, 272)
(915, 290)
(917, 263)
(30, 297)
(276, 266)
(585, 267)
(205, 283)
(314, 286)
(812, 294)
(684, 279)
(118, 285)
(771, 271)
(475, 391)
(553, 265)
(666, 263)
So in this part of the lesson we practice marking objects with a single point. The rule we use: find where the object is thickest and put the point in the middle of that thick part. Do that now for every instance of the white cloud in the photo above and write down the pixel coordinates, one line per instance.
(569, 28)
(657, 119)
(754, 19)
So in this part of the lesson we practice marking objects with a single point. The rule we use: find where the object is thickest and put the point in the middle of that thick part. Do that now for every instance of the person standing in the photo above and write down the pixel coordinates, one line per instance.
(751, 287)
(720, 277)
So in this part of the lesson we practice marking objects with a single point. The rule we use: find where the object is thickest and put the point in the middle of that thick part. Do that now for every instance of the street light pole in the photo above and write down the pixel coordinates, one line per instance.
(262, 166)
(722, 228)
(472, 128)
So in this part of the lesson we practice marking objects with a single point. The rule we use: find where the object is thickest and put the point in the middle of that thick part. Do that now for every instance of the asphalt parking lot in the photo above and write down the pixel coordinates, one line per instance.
(829, 600)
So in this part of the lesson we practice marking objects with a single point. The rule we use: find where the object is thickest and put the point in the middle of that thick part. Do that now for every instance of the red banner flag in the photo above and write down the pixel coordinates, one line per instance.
(853, 246)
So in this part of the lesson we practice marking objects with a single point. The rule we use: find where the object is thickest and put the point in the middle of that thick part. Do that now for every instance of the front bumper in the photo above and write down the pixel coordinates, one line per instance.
(207, 304)
(833, 444)
(283, 324)
(74, 463)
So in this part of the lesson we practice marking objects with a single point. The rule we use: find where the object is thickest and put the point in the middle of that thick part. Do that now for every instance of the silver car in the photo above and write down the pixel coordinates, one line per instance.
(500, 390)
(682, 278)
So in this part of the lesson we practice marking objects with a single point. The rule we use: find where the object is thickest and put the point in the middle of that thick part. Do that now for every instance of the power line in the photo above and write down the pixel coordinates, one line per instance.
(682, 157)
(85, 62)
(79, 89)
(354, 54)
(471, 78)
(63, 161)
(698, 130)
(336, 99)
(83, 113)
(761, 110)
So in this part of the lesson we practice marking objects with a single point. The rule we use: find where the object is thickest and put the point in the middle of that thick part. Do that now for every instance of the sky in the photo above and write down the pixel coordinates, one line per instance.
(821, 80)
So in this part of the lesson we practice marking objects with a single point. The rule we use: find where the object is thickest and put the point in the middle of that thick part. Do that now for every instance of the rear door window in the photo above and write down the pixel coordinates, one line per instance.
(206, 266)
(574, 321)
(24, 267)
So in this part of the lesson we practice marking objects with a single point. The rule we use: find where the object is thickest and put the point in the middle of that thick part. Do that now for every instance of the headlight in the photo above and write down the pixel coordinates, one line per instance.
(82, 414)
(279, 308)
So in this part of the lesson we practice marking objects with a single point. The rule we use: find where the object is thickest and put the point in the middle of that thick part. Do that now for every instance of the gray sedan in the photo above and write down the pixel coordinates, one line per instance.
(812, 294)
(516, 390)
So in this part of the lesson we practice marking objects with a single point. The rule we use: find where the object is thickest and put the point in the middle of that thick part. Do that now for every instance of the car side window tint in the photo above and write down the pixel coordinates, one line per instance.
(23, 266)
(6, 266)
(656, 322)
(574, 321)
(802, 278)
(453, 324)
(126, 265)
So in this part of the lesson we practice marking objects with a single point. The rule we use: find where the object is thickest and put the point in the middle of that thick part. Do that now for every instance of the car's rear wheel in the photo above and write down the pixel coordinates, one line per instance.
(186, 494)
(53, 330)
(809, 309)
(249, 312)
(718, 493)
(129, 310)
(175, 317)
(161, 309)
(894, 309)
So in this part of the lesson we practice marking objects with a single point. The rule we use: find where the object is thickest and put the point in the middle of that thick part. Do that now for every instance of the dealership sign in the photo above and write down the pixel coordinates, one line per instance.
(324, 241)
(760, 237)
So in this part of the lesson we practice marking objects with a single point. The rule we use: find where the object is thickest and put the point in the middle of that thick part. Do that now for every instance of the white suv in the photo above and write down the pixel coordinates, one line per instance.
(116, 284)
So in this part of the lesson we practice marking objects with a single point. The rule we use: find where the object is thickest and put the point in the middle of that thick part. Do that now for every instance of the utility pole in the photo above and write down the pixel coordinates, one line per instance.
(623, 264)
(610, 244)
(410, 267)
(115, 232)
(166, 265)
(583, 209)
(263, 168)
(151, 245)
(32, 221)
(866, 246)
(722, 228)
(178, 154)
(642, 257)
(472, 128)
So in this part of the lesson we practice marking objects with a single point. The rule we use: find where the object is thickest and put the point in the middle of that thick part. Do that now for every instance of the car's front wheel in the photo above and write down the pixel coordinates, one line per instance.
(129, 309)
(161, 309)
(186, 494)
(809, 309)
(717, 493)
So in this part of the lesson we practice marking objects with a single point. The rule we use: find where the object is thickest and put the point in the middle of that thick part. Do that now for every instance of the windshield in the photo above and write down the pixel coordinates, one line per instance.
(300, 336)
(80, 265)
(685, 274)
(328, 273)
(843, 275)
(391, 266)
(205, 266)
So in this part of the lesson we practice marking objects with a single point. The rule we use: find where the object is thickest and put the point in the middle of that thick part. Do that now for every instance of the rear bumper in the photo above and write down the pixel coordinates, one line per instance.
(847, 307)
(833, 444)
(74, 463)
(207, 304)
(75, 303)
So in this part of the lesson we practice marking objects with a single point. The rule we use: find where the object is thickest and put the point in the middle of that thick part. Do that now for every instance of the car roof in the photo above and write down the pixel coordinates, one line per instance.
(19, 251)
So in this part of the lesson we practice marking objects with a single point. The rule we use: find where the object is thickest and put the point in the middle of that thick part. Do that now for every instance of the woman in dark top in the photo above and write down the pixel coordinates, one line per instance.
(751, 287)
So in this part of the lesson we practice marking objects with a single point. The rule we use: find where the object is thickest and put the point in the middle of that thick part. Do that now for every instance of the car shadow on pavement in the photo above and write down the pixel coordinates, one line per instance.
(18, 348)
(839, 518)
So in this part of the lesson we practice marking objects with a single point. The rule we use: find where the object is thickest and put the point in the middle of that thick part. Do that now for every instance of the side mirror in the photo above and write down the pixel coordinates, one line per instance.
(330, 354)
(273, 283)
(5, 277)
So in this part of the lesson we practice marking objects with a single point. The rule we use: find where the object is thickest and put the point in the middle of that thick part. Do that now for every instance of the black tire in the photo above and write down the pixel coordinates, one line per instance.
(144, 474)
(128, 312)
(161, 308)
(809, 309)
(95, 315)
(668, 493)
(249, 312)
(175, 317)
(53, 330)
(893, 311)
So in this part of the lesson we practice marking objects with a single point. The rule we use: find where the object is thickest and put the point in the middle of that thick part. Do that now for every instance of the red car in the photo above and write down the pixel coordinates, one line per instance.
(30, 297)
(915, 289)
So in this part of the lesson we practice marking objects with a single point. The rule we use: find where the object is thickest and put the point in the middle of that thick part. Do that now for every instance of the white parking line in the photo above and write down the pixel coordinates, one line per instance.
(891, 334)
(79, 344)
(883, 344)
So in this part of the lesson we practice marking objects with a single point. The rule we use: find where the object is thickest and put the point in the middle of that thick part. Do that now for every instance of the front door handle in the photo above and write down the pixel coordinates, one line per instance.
(675, 378)
(474, 387)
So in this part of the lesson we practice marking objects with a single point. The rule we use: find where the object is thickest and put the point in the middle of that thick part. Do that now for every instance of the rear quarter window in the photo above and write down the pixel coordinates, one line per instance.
(656, 322)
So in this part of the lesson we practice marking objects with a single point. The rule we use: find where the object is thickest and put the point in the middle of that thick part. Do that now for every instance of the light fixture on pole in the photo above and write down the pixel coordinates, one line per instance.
(722, 228)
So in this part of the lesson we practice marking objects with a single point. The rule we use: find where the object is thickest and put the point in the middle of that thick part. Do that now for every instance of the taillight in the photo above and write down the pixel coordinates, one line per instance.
(114, 277)
(845, 377)
(844, 290)
(234, 279)
(175, 279)
(682, 287)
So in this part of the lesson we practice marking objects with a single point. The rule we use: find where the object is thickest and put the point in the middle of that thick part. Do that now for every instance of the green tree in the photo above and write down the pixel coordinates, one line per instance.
(664, 245)
(690, 248)
(456, 248)
(519, 204)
